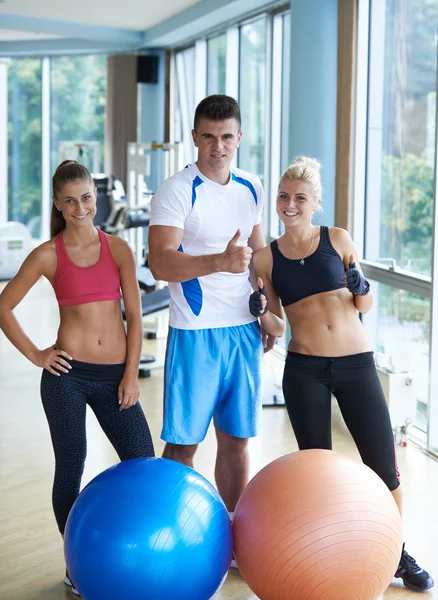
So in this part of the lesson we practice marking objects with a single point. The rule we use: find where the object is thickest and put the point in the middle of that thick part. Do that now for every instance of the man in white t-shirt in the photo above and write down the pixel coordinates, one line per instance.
(205, 225)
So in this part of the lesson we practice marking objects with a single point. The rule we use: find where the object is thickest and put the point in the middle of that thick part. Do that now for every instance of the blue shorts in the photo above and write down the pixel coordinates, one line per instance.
(212, 373)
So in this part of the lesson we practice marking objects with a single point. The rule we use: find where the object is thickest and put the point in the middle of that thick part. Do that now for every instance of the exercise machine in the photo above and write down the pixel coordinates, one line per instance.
(148, 165)
(15, 245)
(86, 153)
(111, 203)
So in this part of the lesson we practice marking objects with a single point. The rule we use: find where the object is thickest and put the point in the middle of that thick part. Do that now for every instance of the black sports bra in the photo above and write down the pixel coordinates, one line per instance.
(322, 271)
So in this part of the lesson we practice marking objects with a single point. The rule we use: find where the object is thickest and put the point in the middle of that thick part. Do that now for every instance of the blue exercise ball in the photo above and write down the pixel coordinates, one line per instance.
(148, 529)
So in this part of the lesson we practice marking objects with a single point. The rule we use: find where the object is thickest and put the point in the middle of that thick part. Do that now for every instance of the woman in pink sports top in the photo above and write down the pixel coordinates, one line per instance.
(93, 361)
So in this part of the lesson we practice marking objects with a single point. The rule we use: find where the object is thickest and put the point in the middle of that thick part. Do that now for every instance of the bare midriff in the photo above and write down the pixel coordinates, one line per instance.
(93, 332)
(326, 324)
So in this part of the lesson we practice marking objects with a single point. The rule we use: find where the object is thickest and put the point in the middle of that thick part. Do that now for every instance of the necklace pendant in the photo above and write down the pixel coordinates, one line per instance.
(302, 261)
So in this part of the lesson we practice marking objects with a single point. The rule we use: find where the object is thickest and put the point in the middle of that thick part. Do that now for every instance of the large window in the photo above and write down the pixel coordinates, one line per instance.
(280, 116)
(252, 95)
(24, 141)
(216, 59)
(185, 100)
(401, 125)
(77, 85)
(395, 189)
(51, 101)
(249, 61)
(285, 91)
(399, 329)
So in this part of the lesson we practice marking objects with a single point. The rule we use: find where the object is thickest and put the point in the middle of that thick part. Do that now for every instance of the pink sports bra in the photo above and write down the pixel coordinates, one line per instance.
(75, 285)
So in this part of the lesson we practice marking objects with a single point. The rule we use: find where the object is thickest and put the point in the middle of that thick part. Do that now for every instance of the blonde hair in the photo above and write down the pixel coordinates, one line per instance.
(308, 170)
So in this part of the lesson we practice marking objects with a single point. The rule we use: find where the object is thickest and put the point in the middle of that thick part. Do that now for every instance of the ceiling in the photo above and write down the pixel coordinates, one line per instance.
(137, 15)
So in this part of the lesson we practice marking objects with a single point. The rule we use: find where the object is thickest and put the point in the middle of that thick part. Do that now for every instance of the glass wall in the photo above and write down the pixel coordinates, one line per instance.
(399, 329)
(285, 91)
(395, 175)
(401, 150)
(216, 63)
(280, 114)
(77, 95)
(74, 90)
(24, 143)
(252, 96)
(242, 61)
(185, 100)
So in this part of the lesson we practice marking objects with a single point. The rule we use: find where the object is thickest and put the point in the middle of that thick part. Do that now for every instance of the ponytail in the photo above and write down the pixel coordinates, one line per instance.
(57, 222)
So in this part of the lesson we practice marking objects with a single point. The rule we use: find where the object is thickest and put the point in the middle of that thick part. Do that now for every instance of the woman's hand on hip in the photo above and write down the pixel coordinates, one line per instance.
(52, 358)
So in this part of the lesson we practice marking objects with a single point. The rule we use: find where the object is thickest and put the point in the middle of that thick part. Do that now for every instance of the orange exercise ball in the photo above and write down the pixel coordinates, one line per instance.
(317, 525)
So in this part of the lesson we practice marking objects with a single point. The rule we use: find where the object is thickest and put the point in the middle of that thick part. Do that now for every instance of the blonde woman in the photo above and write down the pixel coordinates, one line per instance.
(313, 273)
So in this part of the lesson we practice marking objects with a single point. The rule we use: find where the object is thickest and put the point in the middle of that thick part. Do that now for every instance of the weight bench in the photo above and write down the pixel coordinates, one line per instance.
(145, 279)
(150, 303)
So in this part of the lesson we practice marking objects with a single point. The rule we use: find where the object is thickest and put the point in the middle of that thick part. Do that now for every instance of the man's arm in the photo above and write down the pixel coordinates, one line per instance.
(167, 263)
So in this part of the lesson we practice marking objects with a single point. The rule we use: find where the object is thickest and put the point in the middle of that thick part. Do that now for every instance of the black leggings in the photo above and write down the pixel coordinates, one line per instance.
(309, 382)
(65, 398)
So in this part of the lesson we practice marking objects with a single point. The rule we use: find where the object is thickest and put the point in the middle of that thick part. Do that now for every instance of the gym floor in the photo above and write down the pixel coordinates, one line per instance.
(32, 566)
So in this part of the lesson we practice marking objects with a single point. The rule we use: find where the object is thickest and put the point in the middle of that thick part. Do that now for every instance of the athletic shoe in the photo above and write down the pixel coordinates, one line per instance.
(69, 583)
(414, 577)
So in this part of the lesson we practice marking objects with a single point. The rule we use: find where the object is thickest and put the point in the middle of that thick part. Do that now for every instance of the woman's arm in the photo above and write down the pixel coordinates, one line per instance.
(38, 263)
(363, 303)
(129, 390)
(273, 320)
(342, 241)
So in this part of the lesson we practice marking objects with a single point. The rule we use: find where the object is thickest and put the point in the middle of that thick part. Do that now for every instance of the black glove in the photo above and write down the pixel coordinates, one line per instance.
(255, 303)
(356, 282)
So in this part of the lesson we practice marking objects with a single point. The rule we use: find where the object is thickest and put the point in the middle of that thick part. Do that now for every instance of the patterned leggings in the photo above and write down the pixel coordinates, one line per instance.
(65, 399)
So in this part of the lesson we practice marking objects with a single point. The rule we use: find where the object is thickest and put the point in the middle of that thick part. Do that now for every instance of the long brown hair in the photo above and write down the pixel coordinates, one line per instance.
(68, 170)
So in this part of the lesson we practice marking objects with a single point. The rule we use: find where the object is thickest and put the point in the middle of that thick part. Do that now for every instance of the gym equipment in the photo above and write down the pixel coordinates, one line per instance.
(15, 245)
(148, 528)
(151, 302)
(136, 225)
(86, 153)
(149, 165)
(315, 524)
(116, 218)
(110, 203)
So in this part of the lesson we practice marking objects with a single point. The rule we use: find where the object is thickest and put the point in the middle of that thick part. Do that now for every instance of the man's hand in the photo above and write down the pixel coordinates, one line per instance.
(268, 340)
(236, 258)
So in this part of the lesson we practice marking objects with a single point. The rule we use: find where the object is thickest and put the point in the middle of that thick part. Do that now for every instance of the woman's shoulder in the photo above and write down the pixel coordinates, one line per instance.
(339, 234)
(120, 250)
(41, 261)
(117, 244)
(45, 253)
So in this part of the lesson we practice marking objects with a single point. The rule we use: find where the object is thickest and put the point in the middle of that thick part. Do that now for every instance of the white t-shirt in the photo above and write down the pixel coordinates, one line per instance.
(210, 214)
